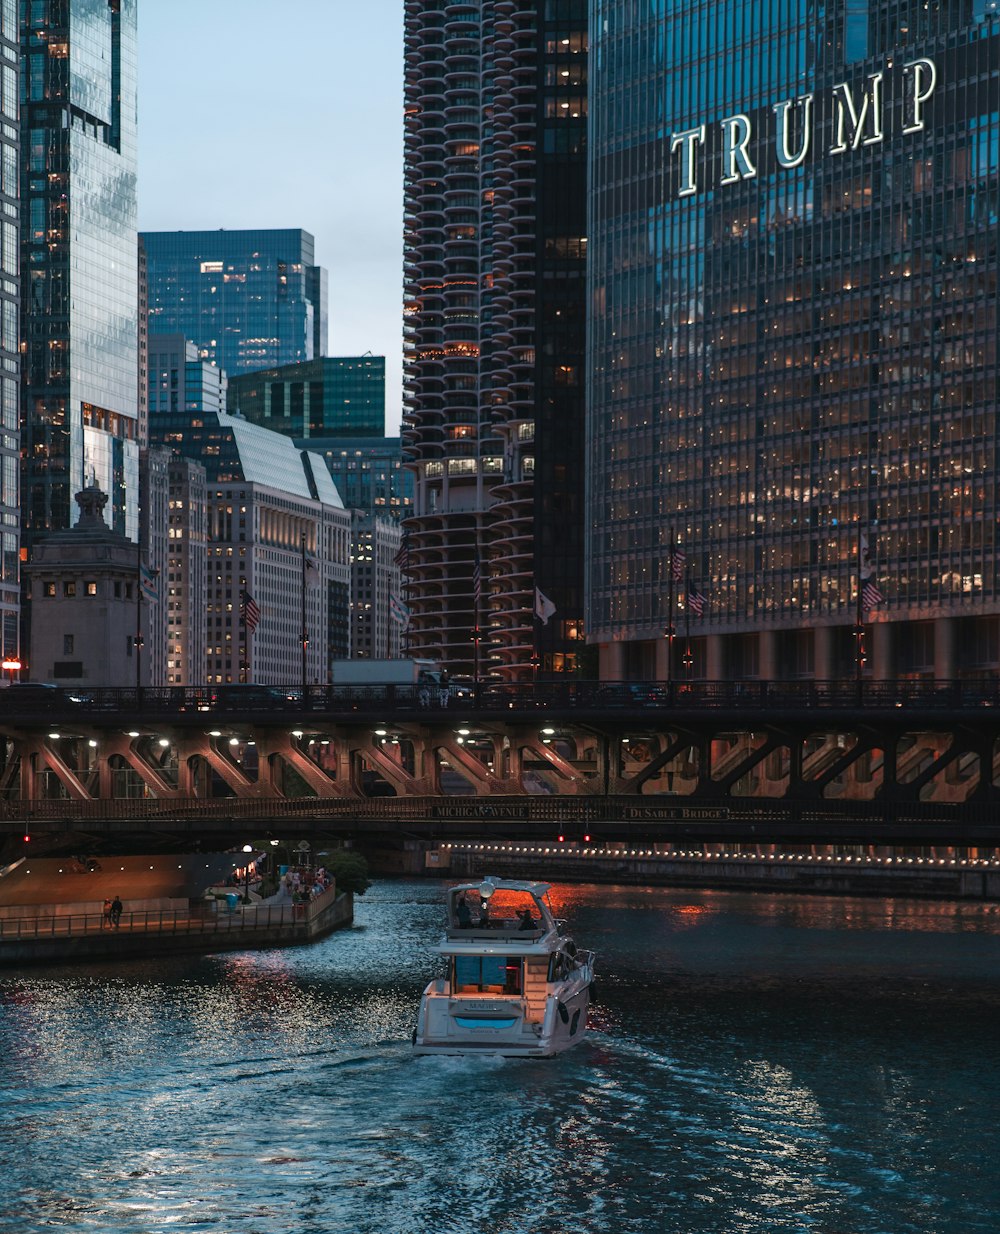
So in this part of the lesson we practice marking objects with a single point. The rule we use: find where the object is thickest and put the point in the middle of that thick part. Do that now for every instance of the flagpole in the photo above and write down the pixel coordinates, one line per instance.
(859, 629)
(403, 592)
(305, 628)
(688, 659)
(670, 606)
(245, 651)
(476, 588)
(138, 615)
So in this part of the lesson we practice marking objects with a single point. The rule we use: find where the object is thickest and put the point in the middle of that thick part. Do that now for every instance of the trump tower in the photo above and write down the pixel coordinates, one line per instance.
(792, 358)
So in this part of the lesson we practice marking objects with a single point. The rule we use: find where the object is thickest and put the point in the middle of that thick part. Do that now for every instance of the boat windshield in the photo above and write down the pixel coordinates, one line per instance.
(487, 974)
(505, 909)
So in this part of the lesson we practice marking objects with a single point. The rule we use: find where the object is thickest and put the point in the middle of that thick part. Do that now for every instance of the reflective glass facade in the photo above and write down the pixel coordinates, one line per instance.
(79, 261)
(9, 362)
(248, 299)
(795, 238)
(368, 473)
(179, 380)
(318, 398)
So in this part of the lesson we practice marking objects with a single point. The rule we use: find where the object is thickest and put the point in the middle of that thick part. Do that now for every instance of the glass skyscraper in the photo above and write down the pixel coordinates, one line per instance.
(179, 381)
(793, 362)
(79, 261)
(248, 299)
(318, 398)
(494, 255)
(9, 334)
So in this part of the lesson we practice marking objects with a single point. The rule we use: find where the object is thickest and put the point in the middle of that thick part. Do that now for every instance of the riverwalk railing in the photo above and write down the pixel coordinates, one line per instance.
(250, 918)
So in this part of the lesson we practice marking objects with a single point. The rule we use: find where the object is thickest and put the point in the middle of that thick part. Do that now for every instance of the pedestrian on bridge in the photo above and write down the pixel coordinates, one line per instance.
(107, 915)
(116, 912)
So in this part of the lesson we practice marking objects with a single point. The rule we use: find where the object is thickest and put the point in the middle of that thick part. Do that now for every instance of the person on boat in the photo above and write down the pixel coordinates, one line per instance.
(527, 921)
(463, 915)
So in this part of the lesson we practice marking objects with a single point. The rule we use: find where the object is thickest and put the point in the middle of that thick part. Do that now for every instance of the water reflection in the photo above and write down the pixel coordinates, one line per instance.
(758, 1065)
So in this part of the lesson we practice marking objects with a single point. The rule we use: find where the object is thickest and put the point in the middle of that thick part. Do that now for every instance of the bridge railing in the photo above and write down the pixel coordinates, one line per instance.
(491, 697)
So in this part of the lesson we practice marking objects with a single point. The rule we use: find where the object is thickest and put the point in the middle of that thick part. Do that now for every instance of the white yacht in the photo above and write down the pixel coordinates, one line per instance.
(516, 984)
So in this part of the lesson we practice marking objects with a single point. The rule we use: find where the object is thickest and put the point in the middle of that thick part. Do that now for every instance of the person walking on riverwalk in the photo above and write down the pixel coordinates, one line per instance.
(116, 912)
(106, 921)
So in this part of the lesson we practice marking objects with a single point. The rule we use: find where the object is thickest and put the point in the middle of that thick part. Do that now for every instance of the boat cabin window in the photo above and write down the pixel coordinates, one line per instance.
(487, 974)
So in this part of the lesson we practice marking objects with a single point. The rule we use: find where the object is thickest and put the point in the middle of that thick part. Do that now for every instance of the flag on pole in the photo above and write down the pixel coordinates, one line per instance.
(697, 602)
(477, 581)
(398, 610)
(311, 569)
(871, 597)
(864, 556)
(544, 608)
(678, 560)
(251, 612)
(147, 584)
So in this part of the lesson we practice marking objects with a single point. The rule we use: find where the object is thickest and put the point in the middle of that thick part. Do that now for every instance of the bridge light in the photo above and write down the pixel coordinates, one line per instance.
(549, 732)
(215, 733)
(163, 742)
(297, 732)
(92, 743)
(381, 732)
(133, 733)
(53, 736)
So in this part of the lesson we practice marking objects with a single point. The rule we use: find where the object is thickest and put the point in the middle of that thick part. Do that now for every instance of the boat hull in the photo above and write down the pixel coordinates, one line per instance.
(446, 1026)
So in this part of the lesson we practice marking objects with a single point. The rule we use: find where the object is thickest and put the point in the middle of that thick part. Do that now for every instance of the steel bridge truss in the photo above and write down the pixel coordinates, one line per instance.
(805, 757)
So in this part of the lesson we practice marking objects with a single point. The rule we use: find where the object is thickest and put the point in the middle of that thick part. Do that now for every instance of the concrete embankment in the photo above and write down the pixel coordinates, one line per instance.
(56, 937)
(945, 879)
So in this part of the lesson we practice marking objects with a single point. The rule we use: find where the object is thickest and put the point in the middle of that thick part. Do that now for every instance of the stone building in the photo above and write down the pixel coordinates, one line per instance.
(86, 605)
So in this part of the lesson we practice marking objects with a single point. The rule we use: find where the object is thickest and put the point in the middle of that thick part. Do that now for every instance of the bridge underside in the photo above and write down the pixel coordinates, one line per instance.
(654, 769)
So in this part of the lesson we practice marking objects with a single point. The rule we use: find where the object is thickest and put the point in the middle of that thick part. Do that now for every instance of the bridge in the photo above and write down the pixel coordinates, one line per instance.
(855, 762)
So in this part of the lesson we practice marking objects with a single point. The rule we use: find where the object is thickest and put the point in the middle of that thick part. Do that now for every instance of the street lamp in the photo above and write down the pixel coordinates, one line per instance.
(247, 850)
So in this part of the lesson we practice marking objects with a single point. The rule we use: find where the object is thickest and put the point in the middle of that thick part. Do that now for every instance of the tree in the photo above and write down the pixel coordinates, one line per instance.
(349, 869)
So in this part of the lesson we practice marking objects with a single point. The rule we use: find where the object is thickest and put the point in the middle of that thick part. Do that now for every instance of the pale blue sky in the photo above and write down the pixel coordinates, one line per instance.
(256, 113)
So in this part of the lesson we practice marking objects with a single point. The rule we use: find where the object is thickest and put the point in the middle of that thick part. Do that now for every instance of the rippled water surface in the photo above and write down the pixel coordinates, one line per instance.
(758, 1065)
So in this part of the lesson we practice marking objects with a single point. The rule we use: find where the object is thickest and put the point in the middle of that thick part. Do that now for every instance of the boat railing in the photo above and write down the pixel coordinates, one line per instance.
(501, 928)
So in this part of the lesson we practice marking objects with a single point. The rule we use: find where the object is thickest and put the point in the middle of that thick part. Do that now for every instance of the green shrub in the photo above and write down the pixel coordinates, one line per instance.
(349, 869)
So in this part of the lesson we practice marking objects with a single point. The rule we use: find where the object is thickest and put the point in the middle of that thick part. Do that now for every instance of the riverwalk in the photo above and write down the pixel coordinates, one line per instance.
(933, 876)
(50, 933)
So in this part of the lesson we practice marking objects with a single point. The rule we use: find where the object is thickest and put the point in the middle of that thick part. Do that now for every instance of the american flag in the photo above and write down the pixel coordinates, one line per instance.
(678, 560)
(697, 602)
(251, 612)
(870, 595)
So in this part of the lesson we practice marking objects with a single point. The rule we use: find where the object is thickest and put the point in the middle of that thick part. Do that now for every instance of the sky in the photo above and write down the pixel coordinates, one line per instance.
(254, 113)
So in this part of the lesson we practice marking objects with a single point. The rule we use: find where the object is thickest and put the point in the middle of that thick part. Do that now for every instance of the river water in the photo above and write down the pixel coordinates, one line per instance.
(758, 1065)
